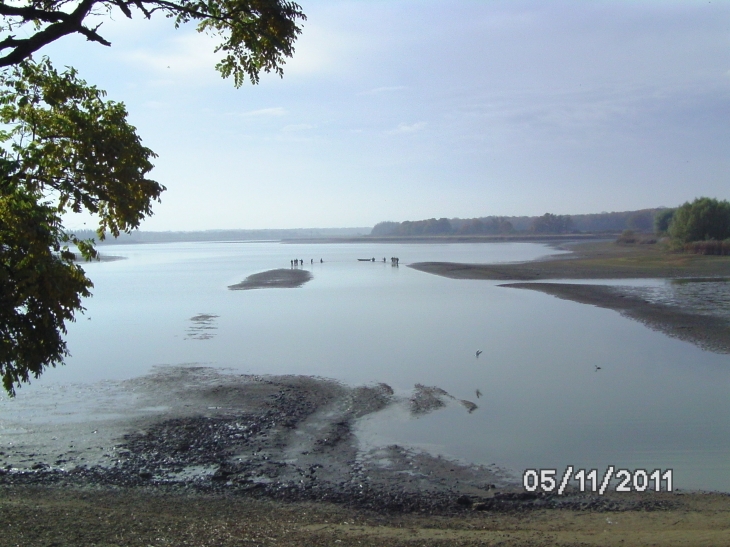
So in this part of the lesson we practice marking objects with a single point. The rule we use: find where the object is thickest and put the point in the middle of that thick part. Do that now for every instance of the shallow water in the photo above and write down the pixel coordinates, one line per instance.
(656, 402)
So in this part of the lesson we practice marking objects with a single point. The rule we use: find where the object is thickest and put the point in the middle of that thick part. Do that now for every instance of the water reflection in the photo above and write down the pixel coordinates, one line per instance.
(656, 402)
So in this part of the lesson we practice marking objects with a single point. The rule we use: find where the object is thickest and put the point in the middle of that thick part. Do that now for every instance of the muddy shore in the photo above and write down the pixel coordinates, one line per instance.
(709, 332)
(608, 260)
(287, 438)
(191, 454)
(43, 517)
(591, 260)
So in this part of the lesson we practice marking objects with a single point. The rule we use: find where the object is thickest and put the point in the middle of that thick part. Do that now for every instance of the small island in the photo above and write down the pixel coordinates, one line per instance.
(273, 279)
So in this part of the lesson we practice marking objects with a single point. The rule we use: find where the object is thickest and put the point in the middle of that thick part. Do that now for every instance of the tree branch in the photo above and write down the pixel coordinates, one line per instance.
(30, 13)
(68, 24)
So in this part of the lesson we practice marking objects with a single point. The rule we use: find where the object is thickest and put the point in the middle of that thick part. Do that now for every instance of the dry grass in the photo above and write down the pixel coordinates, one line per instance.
(34, 517)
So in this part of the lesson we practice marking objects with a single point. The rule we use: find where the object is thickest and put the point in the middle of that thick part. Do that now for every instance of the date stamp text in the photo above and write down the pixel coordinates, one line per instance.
(588, 480)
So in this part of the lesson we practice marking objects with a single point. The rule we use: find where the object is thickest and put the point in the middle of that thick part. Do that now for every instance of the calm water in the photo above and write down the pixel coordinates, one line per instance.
(656, 403)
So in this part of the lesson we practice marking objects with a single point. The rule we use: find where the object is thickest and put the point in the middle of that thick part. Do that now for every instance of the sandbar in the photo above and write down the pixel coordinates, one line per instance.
(608, 260)
(709, 332)
(274, 279)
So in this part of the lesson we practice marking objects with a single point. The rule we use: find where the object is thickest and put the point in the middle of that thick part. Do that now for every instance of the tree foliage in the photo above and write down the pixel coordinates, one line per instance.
(255, 35)
(641, 221)
(662, 219)
(703, 219)
(552, 224)
(65, 148)
(488, 226)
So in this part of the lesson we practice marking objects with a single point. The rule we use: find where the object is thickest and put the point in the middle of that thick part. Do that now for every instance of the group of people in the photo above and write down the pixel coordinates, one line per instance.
(393, 260)
(300, 262)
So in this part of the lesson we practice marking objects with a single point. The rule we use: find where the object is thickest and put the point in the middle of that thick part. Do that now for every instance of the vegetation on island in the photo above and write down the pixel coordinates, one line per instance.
(65, 148)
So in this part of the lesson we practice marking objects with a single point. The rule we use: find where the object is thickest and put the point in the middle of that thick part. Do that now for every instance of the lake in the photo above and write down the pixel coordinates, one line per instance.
(657, 402)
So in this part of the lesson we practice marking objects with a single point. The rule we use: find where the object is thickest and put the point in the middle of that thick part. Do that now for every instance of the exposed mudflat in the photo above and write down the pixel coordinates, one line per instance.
(710, 332)
(281, 437)
(701, 319)
(192, 455)
(273, 279)
(284, 437)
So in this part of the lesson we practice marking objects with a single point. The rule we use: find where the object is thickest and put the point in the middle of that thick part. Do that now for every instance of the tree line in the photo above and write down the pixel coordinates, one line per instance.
(615, 222)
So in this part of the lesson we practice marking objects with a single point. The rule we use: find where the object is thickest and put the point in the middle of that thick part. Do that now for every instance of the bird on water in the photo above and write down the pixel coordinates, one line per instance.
(479, 393)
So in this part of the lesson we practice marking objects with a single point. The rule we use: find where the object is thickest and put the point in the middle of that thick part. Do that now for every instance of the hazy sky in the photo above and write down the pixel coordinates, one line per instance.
(404, 110)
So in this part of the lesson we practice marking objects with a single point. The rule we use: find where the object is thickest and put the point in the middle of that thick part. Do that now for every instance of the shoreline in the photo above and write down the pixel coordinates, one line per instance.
(40, 516)
(288, 438)
(602, 260)
(590, 260)
(707, 332)
(209, 458)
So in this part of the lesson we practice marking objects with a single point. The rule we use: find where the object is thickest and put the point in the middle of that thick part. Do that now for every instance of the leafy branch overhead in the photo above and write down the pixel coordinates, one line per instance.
(63, 148)
(65, 141)
(255, 35)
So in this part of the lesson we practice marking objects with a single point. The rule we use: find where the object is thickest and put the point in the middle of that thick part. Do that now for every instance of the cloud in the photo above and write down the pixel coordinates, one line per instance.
(379, 90)
(408, 128)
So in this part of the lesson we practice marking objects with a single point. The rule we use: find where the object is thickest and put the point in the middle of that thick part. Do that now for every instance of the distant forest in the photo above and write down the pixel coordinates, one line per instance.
(638, 221)
(224, 235)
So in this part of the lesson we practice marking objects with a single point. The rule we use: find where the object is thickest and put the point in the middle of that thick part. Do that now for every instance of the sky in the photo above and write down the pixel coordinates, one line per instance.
(405, 110)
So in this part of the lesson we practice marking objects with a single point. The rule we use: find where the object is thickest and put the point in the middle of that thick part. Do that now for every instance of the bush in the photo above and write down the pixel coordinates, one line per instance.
(703, 219)
(711, 247)
(627, 236)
